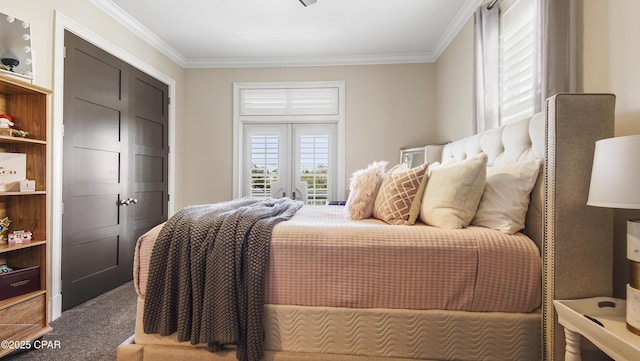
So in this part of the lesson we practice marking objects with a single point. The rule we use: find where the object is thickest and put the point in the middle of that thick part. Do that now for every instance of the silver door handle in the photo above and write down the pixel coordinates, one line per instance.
(128, 202)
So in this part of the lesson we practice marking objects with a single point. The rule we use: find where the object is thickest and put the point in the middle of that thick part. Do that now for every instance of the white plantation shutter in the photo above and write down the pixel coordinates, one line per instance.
(517, 60)
(309, 101)
(263, 101)
(264, 164)
(314, 101)
(314, 162)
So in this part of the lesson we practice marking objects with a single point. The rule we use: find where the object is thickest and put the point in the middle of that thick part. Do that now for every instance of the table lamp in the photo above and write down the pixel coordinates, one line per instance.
(615, 183)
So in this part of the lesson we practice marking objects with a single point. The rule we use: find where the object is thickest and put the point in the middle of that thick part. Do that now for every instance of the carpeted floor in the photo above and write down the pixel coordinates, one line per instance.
(90, 331)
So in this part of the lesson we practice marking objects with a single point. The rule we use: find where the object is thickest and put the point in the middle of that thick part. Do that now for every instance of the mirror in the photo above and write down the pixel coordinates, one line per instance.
(15, 47)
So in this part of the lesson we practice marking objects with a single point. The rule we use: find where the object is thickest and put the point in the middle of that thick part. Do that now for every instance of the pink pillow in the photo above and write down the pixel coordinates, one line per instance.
(364, 186)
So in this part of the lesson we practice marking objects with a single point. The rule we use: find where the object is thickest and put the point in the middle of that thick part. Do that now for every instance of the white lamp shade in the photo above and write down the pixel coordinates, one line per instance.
(615, 177)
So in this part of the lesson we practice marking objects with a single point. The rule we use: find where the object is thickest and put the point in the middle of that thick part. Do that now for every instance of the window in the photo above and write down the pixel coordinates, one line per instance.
(517, 80)
(289, 140)
(507, 62)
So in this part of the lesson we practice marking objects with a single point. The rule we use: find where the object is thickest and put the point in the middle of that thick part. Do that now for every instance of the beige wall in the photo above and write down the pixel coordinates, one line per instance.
(388, 107)
(611, 65)
(454, 94)
(611, 61)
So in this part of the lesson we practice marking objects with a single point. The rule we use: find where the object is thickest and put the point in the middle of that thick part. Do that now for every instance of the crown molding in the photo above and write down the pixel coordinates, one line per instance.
(371, 59)
(140, 30)
(450, 33)
(156, 42)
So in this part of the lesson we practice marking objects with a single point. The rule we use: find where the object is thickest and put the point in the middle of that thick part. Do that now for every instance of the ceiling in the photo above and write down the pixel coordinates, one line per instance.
(243, 33)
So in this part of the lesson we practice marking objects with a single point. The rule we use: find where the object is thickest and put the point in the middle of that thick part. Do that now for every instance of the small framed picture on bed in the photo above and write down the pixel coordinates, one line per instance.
(412, 156)
(415, 156)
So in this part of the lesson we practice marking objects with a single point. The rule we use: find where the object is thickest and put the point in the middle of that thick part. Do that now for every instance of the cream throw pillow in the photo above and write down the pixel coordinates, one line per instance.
(363, 186)
(398, 201)
(453, 192)
(505, 201)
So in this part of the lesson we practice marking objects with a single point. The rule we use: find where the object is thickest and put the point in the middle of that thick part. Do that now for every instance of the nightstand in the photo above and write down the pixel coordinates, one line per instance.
(602, 321)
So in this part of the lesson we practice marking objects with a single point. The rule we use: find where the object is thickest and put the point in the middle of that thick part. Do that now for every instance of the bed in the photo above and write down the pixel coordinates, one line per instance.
(338, 289)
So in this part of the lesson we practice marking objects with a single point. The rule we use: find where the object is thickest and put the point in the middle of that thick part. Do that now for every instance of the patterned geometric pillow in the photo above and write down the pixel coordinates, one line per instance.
(364, 186)
(400, 190)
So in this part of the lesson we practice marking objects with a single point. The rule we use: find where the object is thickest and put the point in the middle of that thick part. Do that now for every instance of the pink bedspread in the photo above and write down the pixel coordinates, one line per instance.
(322, 258)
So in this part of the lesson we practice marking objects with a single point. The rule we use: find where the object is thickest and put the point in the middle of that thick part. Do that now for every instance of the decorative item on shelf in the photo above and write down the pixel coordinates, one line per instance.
(4, 227)
(5, 269)
(6, 124)
(6, 121)
(19, 281)
(10, 63)
(27, 185)
(19, 133)
(615, 180)
(19, 237)
(13, 169)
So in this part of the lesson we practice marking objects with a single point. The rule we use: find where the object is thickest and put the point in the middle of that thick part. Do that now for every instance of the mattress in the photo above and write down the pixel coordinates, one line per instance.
(322, 258)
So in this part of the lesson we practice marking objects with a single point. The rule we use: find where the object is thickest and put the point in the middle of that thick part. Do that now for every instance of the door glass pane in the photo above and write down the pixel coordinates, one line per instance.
(314, 167)
(264, 164)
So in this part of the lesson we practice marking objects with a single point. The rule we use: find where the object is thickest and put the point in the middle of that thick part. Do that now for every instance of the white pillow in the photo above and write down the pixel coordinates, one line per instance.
(364, 186)
(453, 192)
(506, 196)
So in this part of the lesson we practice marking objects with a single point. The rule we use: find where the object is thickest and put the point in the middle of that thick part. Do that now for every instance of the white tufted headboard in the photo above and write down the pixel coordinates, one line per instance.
(515, 142)
(575, 240)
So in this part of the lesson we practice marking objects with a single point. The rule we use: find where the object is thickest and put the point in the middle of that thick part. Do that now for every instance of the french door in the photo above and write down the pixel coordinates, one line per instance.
(290, 160)
(289, 140)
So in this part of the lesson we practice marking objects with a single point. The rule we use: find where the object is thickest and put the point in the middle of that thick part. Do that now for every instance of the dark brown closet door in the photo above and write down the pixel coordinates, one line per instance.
(148, 154)
(114, 168)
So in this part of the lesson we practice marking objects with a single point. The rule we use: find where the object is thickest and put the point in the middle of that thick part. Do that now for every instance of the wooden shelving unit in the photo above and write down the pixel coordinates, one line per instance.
(25, 317)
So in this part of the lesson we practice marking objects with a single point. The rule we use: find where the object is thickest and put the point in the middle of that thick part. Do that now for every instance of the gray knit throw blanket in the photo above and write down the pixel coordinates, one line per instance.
(207, 271)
